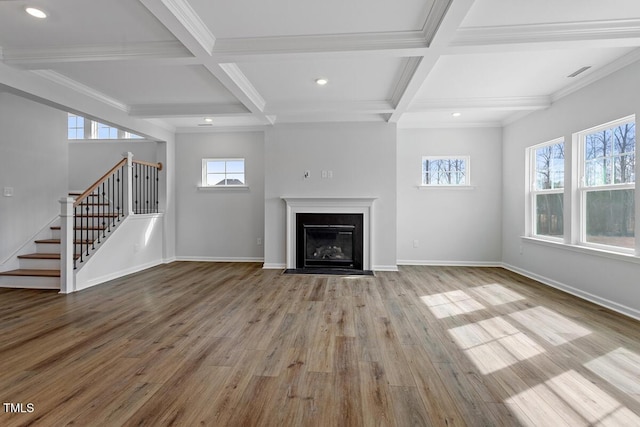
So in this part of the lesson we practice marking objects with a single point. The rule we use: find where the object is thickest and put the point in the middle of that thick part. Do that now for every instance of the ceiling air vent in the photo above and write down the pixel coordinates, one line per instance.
(579, 71)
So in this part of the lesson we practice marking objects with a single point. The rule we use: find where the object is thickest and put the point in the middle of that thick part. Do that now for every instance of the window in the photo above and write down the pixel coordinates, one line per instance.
(105, 131)
(81, 128)
(547, 189)
(441, 171)
(223, 172)
(607, 187)
(75, 127)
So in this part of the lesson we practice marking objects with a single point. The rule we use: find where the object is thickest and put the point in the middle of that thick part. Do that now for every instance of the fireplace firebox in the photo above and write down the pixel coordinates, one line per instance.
(329, 241)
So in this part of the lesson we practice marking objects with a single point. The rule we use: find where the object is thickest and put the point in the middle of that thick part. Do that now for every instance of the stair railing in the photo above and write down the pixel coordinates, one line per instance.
(129, 187)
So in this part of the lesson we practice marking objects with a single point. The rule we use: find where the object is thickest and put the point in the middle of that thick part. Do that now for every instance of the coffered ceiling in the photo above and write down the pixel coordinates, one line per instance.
(255, 63)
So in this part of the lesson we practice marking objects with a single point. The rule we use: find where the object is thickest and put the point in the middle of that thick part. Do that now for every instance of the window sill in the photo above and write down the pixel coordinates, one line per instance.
(620, 256)
(224, 188)
(446, 187)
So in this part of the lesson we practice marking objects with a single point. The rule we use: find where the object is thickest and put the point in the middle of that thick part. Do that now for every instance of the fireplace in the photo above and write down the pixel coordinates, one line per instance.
(332, 206)
(329, 241)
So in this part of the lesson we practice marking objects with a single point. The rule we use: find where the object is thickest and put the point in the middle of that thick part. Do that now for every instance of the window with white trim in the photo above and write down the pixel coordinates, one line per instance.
(445, 171)
(547, 189)
(607, 185)
(81, 128)
(75, 127)
(223, 172)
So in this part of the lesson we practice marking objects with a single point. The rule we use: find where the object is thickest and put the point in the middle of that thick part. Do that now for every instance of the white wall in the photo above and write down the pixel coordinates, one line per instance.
(452, 226)
(89, 160)
(608, 281)
(362, 158)
(33, 160)
(219, 224)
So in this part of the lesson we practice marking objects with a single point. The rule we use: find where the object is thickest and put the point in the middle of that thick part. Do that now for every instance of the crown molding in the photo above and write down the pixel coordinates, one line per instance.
(409, 70)
(80, 53)
(80, 88)
(338, 107)
(549, 32)
(307, 44)
(190, 20)
(242, 82)
(186, 110)
(434, 19)
(595, 75)
(515, 103)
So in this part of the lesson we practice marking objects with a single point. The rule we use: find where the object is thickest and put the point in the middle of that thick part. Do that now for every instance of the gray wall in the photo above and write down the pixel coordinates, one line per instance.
(452, 225)
(219, 224)
(33, 160)
(90, 160)
(606, 280)
(362, 158)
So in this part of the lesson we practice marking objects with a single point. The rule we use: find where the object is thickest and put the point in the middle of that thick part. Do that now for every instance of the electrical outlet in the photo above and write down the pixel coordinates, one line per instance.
(416, 243)
(7, 191)
(324, 174)
(329, 174)
(307, 174)
(259, 241)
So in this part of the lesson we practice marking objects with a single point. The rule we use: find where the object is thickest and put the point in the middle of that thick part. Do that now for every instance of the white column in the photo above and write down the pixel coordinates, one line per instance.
(67, 234)
(128, 185)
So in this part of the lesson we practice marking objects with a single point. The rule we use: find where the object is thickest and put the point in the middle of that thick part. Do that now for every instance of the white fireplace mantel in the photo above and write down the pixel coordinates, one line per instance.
(339, 205)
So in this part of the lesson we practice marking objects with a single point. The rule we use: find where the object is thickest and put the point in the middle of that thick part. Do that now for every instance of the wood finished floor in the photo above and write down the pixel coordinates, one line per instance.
(191, 344)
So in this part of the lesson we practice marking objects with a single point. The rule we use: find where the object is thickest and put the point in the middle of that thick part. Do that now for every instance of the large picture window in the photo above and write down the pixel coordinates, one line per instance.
(547, 189)
(607, 188)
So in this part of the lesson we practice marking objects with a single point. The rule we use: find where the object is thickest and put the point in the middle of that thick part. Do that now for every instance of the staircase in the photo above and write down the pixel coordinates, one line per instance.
(129, 187)
(41, 269)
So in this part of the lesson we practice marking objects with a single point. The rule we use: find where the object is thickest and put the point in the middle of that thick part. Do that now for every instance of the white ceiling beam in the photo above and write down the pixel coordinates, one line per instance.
(549, 33)
(302, 108)
(187, 110)
(38, 58)
(448, 22)
(526, 103)
(179, 18)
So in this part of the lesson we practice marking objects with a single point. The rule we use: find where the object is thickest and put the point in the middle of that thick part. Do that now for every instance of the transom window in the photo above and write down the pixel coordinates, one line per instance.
(445, 171)
(607, 187)
(547, 188)
(81, 128)
(223, 172)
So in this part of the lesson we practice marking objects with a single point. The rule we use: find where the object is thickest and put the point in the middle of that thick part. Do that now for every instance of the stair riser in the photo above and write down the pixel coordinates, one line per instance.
(79, 234)
(48, 248)
(30, 282)
(39, 264)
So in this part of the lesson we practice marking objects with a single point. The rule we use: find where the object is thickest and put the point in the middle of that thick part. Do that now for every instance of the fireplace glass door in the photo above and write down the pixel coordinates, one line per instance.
(329, 246)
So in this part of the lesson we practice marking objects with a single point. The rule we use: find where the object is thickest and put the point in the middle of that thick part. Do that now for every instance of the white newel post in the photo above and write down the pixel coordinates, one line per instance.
(67, 279)
(128, 185)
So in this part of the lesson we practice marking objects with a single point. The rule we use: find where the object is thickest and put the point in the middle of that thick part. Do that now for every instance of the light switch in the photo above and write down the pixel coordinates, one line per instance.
(8, 191)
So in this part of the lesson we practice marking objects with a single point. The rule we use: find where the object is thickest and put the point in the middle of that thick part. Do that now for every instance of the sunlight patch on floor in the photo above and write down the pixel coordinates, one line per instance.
(450, 304)
(496, 294)
(621, 368)
(494, 344)
(569, 400)
(549, 325)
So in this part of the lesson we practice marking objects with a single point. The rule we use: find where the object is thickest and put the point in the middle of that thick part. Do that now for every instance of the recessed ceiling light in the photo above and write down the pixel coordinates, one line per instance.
(322, 81)
(456, 114)
(208, 119)
(36, 13)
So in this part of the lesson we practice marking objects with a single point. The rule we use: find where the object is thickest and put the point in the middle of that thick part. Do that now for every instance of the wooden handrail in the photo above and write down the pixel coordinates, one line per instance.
(98, 182)
(153, 165)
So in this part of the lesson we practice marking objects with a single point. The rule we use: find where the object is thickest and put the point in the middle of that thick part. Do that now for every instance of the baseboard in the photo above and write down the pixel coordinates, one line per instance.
(450, 263)
(273, 266)
(385, 268)
(611, 305)
(169, 260)
(116, 275)
(218, 259)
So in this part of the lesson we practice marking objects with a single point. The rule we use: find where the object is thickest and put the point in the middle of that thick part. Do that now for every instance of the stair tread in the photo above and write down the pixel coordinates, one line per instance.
(54, 241)
(43, 255)
(93, 227)
(31, 272)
